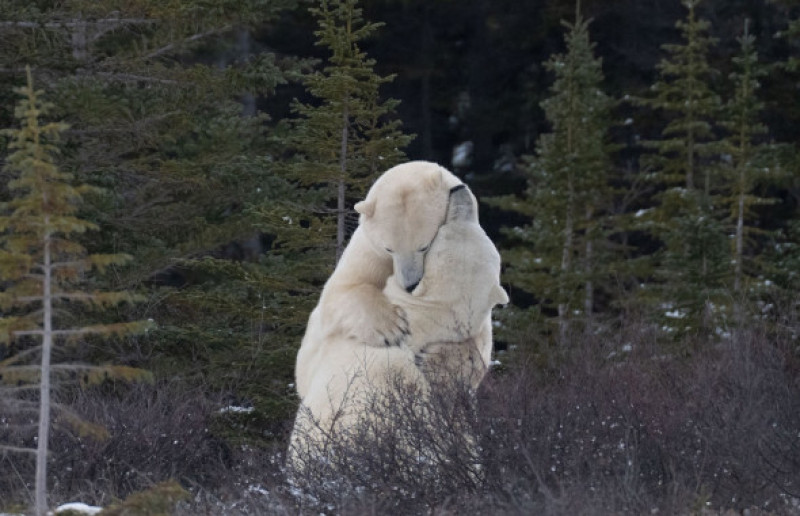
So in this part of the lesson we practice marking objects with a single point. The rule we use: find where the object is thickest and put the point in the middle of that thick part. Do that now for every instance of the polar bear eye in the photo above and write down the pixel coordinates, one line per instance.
(424, 248)
(388, 250)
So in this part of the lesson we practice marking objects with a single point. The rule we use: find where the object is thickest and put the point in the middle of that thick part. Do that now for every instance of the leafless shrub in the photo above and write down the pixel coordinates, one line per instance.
(637, 431)
(155, 433)
(612, 425)
(410, 450)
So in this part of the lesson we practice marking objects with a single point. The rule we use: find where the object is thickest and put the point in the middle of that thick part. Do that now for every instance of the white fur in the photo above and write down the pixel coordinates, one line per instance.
(449, 313)
(402, 212)
(448, 316)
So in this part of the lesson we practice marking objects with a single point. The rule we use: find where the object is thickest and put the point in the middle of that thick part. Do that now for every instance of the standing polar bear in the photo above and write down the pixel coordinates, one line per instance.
(447, 313)
(398, 221)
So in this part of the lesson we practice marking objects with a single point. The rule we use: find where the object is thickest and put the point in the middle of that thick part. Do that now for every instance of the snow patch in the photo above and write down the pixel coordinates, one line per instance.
(78, 507)
(236, 410)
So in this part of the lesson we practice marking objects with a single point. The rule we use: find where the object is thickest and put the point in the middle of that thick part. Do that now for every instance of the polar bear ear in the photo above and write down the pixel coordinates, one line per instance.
(366, 208)
(433, 181)
(499, 295)
(461, 205)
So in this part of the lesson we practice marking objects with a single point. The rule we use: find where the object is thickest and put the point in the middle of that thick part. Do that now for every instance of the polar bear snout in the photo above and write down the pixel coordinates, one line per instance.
(408, 270)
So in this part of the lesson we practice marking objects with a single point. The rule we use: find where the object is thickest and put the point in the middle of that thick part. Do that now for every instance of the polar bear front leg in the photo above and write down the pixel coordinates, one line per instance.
(353, 306)
(365, 315)
(452, 361)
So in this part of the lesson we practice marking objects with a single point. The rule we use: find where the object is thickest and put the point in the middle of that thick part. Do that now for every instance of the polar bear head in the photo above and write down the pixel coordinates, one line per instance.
(462, 268)
(402, 214)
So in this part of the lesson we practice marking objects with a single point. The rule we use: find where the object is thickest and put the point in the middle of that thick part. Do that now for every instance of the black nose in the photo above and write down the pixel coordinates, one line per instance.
(411, 288)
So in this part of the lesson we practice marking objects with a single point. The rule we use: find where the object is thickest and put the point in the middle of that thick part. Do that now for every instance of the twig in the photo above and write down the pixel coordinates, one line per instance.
(74, 23)
(130, 77)
(17, 449)
(171, 46)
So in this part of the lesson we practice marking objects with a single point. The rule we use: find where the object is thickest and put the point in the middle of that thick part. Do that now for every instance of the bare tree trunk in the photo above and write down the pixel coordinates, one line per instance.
(690, 162)
(738, 256)
(243, 47)
(44, 382)
(588, 300)
(79, 50)
(566, 261)
(340, 207)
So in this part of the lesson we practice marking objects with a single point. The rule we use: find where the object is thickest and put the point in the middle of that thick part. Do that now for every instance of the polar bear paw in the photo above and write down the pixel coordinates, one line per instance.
(389, 330)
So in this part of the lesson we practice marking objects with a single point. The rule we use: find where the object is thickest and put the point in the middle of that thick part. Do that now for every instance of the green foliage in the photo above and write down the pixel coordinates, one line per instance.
(44, 266)
(556, 257)
(685, 219)
(161, 132)
(790, 33)
(346, 137)
(341, 141)
(683, 94)
(153, 96)
(749, 168)
(39, 226)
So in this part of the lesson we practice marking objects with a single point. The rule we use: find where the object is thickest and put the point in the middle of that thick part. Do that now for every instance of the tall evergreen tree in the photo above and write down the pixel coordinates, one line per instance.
(748, 164)
(556, 258)
(339, 142)
(785, 255)
(43, 264)
(346, 137)
(791, 33)
(692, 266)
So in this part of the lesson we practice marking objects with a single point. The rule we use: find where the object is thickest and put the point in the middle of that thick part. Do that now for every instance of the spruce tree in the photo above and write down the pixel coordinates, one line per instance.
(346, 137)
(790, 33)
(784, 256)
(338, 143)
(42, 265)
(558, 257)
(748, 165)
(692, 266)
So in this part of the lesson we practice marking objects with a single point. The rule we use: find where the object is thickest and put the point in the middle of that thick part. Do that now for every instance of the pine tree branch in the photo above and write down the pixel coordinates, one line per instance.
(56, 333)
(98, 297)
(129, 77)
(19, 388)
(16, 449)
(23, 405)
(64, 265)
(195, 37)
(19, 356)
(107, 23)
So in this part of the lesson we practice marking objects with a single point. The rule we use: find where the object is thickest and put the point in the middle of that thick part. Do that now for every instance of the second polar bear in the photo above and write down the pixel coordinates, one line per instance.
(449, 312)
(446, 311)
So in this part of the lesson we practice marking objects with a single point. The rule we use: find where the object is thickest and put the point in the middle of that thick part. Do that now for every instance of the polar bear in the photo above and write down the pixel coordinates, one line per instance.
(399, 218)
(447, 312)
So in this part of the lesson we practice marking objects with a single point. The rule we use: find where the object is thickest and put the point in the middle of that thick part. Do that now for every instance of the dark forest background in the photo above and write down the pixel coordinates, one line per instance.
(635, 163)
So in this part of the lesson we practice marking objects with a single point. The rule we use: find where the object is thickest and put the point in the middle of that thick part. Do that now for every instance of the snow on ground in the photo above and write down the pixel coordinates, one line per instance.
(236, 410)
(75, 507)
(78, 507)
